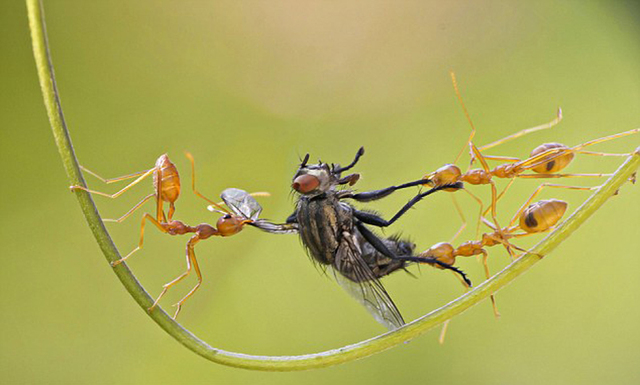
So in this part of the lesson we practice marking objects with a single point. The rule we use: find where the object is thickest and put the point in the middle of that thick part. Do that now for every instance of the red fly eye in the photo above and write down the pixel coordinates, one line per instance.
(305, 183)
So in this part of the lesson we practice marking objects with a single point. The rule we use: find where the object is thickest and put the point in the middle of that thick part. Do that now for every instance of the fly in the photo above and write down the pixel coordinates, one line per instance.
(335, 234)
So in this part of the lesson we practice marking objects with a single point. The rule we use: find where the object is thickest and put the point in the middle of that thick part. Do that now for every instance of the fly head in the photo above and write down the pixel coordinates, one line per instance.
(315, 179)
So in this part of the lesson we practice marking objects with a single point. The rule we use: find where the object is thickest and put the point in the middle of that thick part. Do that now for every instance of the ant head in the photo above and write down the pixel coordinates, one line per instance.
(315, 179)
(229, 224)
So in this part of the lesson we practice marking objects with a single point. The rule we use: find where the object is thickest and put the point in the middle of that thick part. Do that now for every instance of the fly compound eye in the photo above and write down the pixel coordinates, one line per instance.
(305, 183)
(228, 225)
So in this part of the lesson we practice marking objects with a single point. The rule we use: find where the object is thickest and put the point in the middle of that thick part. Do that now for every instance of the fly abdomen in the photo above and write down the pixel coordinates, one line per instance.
(379, 264)
(318, 221)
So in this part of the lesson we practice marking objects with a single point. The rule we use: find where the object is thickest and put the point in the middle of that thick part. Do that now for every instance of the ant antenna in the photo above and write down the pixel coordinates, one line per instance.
(466, 113)
(358, 155)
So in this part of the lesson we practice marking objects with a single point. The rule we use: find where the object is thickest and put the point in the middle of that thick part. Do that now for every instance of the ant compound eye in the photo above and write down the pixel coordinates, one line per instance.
(305, 183)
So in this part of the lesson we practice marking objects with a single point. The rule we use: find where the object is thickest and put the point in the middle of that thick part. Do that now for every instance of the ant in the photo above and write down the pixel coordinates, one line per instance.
(531, 219)
(166, 182)
(545, 161)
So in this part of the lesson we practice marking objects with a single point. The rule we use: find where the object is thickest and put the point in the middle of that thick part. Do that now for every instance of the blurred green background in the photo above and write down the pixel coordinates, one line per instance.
(248, 87)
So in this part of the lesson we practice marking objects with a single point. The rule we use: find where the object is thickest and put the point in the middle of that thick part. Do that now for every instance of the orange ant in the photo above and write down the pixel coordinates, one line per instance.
(167, 189)
(545, 160)
(530, 218)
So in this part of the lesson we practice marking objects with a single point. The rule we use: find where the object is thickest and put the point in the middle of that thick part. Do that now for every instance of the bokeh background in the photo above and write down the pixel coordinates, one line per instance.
(248, 88)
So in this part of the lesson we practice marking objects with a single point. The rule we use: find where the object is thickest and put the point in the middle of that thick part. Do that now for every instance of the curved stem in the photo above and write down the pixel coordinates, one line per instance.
(286, 363)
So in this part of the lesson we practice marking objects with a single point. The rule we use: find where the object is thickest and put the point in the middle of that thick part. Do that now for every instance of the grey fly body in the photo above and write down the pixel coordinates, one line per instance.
(336, 235)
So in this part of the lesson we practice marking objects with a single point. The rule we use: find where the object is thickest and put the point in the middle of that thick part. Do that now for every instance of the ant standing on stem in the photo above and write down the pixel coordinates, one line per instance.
(166, 183)
(545, 161)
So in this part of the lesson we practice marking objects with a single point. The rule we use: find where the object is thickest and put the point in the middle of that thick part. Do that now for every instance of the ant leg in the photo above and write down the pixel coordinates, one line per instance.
(487, 274)
(254, 194)
(136, 207)
(524, 132)
(604, 139)
(172, 209)
(445, 324)
(481, 209)
(494, 202)
(167, 286)
(112, 180)
(494, 191)
(192, 257)
(507, 159)
(537, 191)
(502, 193)
(499, 237)
(601, 153)
(113, 196)
(193, 184)
(443, 332)
(461, 215)
(550, 176)
(466, 114)
(152, 220)
(260, 194)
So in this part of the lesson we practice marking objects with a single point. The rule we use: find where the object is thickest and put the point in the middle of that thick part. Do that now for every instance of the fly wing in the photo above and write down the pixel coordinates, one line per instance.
(241, 203)
(355, 276)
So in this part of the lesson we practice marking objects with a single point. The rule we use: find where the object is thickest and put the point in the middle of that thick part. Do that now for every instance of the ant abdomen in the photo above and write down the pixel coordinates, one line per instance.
(542, 215)
(169, 179)
(558, 163)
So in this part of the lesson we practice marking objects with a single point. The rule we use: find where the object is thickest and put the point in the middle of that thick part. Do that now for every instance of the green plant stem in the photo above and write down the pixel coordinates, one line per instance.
(286, 363)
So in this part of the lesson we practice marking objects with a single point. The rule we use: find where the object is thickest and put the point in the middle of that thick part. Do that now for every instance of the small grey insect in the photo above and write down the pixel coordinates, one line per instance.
(336, 235)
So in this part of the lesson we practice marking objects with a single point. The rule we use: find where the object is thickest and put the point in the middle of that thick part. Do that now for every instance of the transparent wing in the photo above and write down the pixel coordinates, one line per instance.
(357, 279)
(241, 203)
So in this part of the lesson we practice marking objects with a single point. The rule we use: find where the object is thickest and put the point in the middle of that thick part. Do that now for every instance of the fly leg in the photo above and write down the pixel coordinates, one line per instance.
(382, 248)
(291, 225)
(379, 194)
(375, 220)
